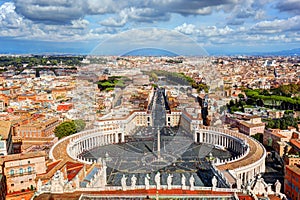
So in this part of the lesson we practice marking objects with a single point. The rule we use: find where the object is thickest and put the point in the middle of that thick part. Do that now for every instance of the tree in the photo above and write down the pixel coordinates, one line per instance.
(258, 137)
(65, 129)
(79, 124)
(241, 96)
(154, 77)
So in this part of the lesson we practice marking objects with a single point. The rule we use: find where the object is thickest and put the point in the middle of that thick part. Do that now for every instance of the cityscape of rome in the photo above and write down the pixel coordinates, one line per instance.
(149, 100)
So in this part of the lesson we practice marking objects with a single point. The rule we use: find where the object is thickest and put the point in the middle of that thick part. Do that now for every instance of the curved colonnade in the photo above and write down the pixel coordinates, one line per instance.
(243, 168)
(239, 170)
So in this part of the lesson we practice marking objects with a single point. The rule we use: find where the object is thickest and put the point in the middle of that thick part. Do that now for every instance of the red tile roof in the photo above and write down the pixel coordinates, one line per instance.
(296, 143)
(73, 169)
(52, 165)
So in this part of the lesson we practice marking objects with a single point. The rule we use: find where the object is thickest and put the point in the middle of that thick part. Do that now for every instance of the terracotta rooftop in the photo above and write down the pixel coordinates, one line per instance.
(22, 156)
(250, 125)
(294, 168)
(295, 142)
(73, 169)
(278, 135)
(5, 129)
(138, 193)
(52, 165)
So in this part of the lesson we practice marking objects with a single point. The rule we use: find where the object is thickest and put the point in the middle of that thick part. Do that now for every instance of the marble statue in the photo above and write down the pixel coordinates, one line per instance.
(214, 182)
(183, 180)
(123, 182)
(147, 183)
(277, 187)
(192, 183)
(133, 181)
(169, 181)
(157, 180)
(39, 186)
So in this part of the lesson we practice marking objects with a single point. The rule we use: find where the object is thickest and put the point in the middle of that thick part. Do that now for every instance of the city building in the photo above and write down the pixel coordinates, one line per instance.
(279, 139)
(64, 107)
(2, 187)
(291, 182)
(37, 127)
(295, 143)
(6, 143)
(291, 159)
(246, 123)
(20, 170)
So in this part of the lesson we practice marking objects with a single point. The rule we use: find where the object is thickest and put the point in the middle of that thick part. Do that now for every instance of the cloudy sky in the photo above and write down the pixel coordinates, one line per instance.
(79, 26)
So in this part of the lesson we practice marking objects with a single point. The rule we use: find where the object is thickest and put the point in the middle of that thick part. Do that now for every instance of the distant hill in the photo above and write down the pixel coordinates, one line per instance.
(150, 52)
(290, 52)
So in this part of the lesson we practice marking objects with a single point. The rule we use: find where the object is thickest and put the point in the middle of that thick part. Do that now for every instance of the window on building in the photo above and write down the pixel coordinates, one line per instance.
(12, 185)
(28, 161)
(29, 169)
(11, 172)
(21, 170)
(22, 182)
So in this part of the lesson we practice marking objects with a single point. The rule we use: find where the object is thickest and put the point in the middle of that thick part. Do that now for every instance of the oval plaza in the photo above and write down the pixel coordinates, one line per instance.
(163, 149)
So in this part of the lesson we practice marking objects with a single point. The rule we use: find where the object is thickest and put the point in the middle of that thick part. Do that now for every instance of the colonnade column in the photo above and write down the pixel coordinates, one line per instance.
(201, 136)
(116, 138)
(122, 137)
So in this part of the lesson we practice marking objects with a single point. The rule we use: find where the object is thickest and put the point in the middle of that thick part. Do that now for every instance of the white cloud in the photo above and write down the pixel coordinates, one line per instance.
(208, 31)
(64, 11)
(8, 17)
(114, 22)
(186, 29)
(231, 21)
(277, 26)
(14, 25)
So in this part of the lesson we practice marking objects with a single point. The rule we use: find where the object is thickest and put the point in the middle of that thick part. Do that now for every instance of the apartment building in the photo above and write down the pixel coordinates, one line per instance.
(6, 144)
(40, 127)
(291, 182)
(20, 170)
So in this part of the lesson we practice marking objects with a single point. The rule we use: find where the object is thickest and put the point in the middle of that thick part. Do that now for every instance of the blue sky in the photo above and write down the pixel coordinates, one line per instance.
(218, 26)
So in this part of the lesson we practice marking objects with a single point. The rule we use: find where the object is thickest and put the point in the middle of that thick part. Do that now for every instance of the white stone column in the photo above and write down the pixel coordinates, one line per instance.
(122, 137)
(201, 136)
(116, 138)
(263, 165)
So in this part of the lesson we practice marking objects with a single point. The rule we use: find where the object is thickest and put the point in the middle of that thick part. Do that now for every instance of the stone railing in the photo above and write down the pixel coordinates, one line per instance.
(256, 163)
(220, 174)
